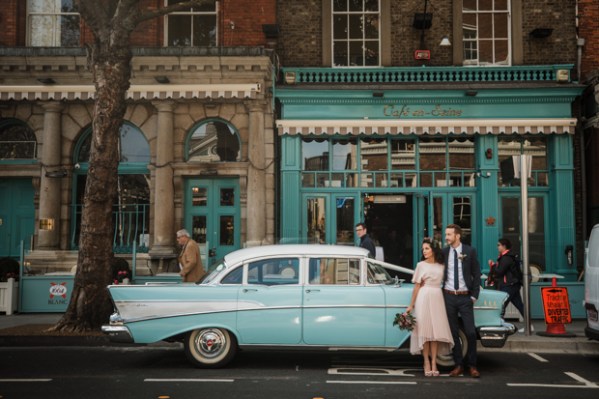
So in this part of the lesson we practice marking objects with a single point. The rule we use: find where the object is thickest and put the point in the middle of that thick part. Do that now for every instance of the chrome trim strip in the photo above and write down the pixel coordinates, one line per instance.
(505, 329)
(185, 314)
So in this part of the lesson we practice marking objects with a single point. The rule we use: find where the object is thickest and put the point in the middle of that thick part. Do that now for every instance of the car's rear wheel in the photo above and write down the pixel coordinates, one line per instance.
(446, 360)
(210, 347)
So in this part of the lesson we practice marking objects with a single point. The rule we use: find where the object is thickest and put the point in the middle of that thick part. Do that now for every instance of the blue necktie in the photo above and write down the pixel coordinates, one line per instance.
(456, 279)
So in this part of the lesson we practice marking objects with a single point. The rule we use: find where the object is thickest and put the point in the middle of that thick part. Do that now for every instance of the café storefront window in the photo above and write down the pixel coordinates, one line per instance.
(509, 148)
(380, 162)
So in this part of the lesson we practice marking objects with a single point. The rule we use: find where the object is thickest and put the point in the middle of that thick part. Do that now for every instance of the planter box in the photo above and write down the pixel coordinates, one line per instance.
(9, 294)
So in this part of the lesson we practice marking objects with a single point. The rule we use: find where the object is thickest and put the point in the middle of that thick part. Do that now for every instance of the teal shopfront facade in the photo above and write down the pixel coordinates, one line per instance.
(410, 150)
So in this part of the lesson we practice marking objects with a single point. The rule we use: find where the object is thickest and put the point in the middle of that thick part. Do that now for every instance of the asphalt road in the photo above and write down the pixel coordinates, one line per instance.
(163, 372)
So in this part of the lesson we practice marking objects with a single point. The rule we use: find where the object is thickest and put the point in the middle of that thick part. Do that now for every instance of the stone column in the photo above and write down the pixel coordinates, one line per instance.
(50, 184)
(256, 187)
(164, 193)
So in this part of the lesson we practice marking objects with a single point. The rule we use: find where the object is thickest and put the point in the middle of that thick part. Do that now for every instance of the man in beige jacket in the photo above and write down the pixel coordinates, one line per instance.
(190, 261)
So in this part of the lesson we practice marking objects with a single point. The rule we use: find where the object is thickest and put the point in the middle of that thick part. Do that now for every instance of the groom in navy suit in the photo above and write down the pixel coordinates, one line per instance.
(461, 286)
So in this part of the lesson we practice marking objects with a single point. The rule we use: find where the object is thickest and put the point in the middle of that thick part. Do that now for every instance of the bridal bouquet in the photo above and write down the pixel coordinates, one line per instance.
(405, 321)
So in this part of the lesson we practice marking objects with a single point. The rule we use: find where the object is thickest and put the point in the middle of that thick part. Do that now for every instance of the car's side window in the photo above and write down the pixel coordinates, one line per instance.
(234, 277)
(377, 274)
(276, 271)
(336, 271)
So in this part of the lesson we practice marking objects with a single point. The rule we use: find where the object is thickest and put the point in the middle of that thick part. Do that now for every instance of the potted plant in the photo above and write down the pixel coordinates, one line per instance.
(9, 285)
(121, 272)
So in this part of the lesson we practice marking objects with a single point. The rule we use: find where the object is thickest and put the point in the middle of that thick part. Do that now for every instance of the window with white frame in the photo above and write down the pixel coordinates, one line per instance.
(195, 26)
(356, 33)
(53, 23)
(486, 32)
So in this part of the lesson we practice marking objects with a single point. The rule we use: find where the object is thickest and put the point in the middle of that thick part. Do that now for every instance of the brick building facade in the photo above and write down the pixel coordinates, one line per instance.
(197, 147)
(417, 140)
(305, 44)
(588, 29)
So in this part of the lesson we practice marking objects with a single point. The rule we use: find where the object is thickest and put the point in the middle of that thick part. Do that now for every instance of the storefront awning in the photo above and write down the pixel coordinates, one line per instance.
(135, 92)
(355, 127)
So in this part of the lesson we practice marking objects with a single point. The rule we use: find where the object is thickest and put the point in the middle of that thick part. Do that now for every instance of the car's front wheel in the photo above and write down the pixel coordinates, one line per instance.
(446, 360)
(210, 347)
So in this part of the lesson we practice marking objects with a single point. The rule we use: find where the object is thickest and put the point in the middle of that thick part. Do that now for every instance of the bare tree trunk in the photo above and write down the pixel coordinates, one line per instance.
(111, 22)
(90, 304)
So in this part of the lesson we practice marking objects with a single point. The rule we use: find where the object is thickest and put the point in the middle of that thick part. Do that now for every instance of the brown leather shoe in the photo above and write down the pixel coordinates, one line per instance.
(474, 373)
(457, 371)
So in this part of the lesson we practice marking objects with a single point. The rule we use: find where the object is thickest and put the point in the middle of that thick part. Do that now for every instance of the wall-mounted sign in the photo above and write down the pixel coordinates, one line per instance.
(47, 224)
(389, 199)
(422, 55)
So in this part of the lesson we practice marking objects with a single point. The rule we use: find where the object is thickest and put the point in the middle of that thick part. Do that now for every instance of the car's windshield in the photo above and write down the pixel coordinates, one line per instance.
(216, 270)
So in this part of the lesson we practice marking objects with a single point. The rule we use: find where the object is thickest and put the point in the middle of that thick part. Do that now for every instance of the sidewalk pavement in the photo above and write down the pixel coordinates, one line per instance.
(15, 331)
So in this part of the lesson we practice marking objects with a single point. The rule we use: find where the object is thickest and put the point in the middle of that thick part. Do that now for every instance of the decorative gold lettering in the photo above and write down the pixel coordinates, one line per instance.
(405, 111)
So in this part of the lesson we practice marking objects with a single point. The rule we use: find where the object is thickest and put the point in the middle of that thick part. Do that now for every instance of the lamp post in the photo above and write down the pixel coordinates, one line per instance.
(524, 233)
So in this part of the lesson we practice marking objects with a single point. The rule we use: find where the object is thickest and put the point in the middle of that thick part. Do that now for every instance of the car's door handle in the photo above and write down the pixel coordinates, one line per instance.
(312, 290)
(250, 290)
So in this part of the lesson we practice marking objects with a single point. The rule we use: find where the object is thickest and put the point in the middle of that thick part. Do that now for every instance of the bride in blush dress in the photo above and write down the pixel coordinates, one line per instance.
(431, 335)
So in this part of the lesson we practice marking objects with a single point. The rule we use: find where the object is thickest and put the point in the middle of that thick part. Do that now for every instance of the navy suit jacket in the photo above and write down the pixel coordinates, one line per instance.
(470, 268)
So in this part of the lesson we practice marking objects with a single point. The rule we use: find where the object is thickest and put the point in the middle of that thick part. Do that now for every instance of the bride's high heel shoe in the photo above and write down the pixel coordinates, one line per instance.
(427, 370)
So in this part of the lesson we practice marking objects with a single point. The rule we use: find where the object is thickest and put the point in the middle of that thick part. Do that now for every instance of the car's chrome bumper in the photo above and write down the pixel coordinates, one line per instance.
(591, 333)
(118, 333)
(495, 336)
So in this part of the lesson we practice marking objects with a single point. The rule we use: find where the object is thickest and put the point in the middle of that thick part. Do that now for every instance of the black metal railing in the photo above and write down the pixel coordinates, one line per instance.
(131, 225)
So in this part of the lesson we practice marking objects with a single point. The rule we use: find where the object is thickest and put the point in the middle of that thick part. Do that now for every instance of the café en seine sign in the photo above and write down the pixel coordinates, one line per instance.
(405, 111)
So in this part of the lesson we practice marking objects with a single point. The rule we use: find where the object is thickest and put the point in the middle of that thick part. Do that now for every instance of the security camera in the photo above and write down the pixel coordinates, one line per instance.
(77, 166)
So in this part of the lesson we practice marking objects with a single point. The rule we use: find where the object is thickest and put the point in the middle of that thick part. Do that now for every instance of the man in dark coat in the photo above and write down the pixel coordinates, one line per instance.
(508, 276)
(461, 287)
(365, 241)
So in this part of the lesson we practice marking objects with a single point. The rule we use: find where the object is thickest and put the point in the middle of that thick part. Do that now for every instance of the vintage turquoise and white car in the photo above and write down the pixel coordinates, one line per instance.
(308, 296)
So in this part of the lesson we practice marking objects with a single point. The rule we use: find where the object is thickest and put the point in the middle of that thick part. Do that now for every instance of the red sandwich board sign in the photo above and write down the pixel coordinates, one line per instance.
(556, 305)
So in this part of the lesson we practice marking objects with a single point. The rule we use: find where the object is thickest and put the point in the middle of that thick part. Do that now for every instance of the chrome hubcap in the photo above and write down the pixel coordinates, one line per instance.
(210, 343)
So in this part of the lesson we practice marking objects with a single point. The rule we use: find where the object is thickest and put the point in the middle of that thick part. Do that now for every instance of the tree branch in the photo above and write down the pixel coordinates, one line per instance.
(100, 10)
(149, 14)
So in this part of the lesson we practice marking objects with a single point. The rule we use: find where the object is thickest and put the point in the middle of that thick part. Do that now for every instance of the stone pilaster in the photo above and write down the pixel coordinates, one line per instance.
(256, 188)
(51, 178)
(164, 194)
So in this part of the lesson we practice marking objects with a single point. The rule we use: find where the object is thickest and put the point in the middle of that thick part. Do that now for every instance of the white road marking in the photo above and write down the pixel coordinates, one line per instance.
(580, 379)
(587, 383)
(370, 371)
(25, 379)
(187, 380)
(372, 382)
(539, 358)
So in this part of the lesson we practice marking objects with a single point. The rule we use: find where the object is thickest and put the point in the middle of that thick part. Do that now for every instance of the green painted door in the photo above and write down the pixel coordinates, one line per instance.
(510, 227)
(17, 215)
(436, 210)
(212, 216)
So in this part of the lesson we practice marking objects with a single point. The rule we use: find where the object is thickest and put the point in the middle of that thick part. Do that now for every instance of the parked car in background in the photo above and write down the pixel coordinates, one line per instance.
(591, 285)
(300, 296)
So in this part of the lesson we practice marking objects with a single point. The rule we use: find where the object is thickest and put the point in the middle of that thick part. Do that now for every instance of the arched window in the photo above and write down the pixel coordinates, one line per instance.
(131, 214)
(17, 141)
(213, 140)
(134, 147)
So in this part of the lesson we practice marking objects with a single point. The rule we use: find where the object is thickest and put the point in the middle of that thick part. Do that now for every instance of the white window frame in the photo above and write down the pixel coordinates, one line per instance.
(192, 14)
(477, 40)
(348, 40)
(49, 37)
